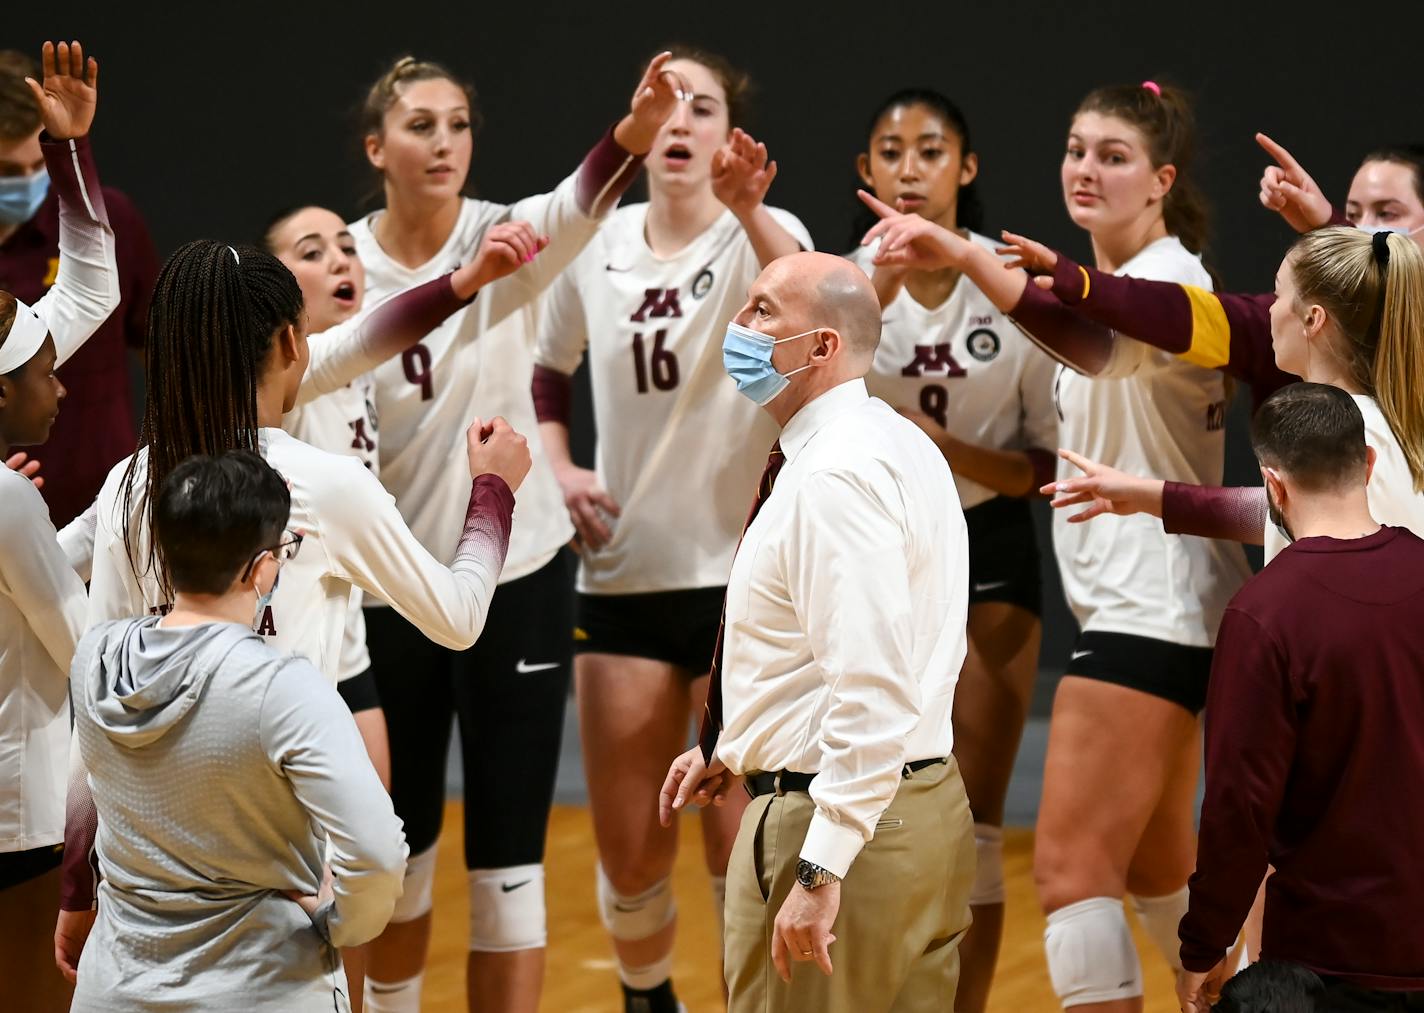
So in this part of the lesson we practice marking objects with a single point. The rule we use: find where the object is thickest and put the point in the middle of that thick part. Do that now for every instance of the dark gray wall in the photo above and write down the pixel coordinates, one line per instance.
(212, 116)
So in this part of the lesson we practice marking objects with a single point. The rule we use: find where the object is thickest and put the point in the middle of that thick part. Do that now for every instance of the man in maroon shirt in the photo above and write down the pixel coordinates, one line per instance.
(1315, 730)
(96, 427)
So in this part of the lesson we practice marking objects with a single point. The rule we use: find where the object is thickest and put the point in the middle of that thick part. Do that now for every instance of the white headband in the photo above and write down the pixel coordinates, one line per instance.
(26, 335)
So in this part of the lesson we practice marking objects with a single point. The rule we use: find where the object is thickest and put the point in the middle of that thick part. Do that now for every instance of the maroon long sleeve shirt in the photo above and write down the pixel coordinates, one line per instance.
(1315, 764)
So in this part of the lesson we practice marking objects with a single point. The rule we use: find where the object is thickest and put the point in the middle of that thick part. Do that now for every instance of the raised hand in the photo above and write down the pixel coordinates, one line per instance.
(1105, 490)
(494, 448)
(654, 100)
(587, 501)
(741, 173)
(907, 240)
(70, 90)
(1035, 258)
(21, 462)
(505, 249)
(1288, 190)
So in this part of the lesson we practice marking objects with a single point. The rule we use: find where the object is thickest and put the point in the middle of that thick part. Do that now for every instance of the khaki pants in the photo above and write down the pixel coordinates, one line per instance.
(904, 904)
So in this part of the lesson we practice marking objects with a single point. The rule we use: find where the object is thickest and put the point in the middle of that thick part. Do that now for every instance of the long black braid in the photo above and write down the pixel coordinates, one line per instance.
(215, 312)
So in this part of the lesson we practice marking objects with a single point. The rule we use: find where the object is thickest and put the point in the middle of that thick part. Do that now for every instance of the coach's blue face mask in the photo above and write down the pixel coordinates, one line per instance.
(1401, 230)
(746, 356)
(21, 197)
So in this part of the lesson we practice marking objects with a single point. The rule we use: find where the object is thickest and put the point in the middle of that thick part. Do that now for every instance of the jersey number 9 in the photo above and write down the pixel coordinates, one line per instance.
(415, 360)
(662, 364)
(934, 402)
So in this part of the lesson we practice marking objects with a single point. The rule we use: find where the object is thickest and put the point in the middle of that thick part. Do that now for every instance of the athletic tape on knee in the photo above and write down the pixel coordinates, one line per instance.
(1159, 918)
(719, 904)
(419, 887)
(988, 885)
(1090, 953)
(507, 909)
(644, 978)
(630, 919)
(392, 996)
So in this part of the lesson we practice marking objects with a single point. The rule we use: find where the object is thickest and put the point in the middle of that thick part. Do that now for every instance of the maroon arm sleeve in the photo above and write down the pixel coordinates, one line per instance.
(1073, 340)
(408, 316)
(553, 394)
(605, 174)
(488, 519)
(1337, 217)
(1236, 514)
(73, 175)
(1249, 747)
(1159, 313)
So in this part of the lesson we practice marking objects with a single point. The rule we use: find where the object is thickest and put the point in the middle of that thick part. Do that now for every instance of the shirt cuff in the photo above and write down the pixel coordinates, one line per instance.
(831, 846)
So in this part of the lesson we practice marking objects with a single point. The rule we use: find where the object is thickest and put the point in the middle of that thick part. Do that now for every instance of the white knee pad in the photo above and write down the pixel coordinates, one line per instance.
(507, 909)
(416, 898)
(632, 918)
(989, 865)
(644, 978)
(392, 996)
(1159, 918)
(1090, 953)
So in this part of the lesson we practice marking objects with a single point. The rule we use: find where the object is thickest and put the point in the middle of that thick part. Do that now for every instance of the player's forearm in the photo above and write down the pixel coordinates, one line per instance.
(1007, 472)
(610, 168)
(768, 238)
(86, 287)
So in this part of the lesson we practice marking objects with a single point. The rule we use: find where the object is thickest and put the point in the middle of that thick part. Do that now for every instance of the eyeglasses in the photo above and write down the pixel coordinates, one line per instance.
(283, 552)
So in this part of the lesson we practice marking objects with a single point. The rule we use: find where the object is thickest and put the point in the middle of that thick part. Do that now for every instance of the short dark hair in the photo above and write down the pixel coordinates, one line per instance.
(19, 115)
(1272, 986)
(214, 514)
(1314, 433)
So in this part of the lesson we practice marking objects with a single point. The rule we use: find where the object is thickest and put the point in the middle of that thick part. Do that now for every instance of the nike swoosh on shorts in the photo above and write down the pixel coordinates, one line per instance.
(524, 668)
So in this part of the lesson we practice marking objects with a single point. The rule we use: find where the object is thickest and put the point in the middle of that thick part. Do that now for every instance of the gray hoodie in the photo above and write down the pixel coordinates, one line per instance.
(217, 766)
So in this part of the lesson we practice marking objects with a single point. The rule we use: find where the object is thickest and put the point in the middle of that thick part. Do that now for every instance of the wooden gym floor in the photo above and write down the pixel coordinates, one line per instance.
(581, 976)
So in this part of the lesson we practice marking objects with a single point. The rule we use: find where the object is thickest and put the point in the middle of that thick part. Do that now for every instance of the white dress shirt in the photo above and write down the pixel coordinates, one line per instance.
(845, 624)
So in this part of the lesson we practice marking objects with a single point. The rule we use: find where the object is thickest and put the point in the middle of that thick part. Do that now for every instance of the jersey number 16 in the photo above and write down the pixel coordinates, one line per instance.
(661, 364)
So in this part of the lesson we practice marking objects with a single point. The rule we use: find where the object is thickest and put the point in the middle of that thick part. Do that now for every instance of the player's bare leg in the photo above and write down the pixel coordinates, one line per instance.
(633, 721)
(990, 707)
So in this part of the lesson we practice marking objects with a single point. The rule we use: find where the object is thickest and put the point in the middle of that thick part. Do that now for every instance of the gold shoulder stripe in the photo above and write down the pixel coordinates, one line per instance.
(1211, 332)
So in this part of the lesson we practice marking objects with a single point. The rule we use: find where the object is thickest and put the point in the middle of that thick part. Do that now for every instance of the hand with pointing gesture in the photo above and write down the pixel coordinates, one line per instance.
(909, 241)
(70, 90)
(1288, 190)
(1105, 491)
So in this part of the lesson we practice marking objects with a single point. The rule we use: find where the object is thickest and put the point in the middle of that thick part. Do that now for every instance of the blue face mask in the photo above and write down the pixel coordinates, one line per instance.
(263, 600)
(21, 197)
(746, 356)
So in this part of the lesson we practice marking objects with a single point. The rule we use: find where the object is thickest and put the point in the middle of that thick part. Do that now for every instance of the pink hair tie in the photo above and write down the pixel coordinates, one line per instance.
(1153, 87)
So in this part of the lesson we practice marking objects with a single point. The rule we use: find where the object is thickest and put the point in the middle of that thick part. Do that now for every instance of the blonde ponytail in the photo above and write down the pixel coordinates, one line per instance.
(1399, 360)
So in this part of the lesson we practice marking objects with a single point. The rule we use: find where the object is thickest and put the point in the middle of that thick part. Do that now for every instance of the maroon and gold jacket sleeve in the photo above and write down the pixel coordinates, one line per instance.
(1214, 330)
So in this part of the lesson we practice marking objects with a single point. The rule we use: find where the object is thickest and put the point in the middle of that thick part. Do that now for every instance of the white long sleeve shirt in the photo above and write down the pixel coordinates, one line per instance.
(41, 597)
(845, 624)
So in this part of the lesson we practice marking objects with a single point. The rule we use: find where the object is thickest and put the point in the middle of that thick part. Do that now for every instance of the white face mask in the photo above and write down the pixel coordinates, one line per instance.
(1372, 229)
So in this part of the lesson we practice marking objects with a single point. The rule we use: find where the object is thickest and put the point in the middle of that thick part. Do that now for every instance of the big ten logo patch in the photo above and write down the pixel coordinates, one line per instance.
(933, 359)
(1216, 416)
(658, 303)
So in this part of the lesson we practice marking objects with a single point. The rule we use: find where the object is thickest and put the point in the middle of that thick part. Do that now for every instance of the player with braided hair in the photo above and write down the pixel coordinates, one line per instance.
(230, 391)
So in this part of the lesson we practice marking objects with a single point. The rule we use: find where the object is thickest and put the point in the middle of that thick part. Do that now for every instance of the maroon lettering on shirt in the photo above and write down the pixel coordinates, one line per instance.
(658, 302)
(933, 359)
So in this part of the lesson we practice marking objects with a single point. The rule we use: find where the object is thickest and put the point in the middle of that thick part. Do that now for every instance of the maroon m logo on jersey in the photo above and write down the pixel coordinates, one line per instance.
(658, 302)
(933, 359)
(360, 440)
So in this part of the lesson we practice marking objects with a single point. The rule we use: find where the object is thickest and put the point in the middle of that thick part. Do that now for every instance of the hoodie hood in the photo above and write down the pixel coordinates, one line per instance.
(146, 677)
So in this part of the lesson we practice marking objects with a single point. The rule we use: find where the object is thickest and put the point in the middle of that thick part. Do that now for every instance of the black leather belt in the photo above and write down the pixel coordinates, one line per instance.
(779, 782)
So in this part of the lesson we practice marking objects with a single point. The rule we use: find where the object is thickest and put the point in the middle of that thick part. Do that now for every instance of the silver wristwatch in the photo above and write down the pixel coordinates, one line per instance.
(810, 875)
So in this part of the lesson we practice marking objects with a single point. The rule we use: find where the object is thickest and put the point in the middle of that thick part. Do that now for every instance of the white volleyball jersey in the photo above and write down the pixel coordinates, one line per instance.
(1390, 491)
(41, 620)
(1150, 413)
(967, 366)
(343, 422)
(477, 364)
(679, 449)
(352, 536)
